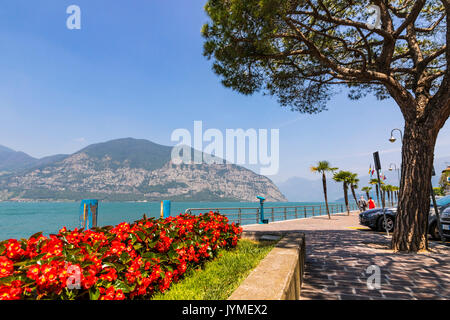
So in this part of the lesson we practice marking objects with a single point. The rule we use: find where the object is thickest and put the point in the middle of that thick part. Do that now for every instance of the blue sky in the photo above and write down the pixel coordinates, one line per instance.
(136, 69)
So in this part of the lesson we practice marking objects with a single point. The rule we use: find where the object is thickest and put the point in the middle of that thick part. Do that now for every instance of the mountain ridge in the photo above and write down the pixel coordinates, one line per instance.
(131, 169)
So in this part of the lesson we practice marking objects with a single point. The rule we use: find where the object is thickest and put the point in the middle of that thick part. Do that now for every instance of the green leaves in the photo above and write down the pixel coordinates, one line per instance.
(172, 254)
(121, 285)
(149, 255)
(94, 294)
(298, 51)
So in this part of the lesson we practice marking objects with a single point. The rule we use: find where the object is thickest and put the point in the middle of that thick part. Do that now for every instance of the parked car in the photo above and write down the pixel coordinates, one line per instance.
(374, 218)
(443, 204)
(445, 222)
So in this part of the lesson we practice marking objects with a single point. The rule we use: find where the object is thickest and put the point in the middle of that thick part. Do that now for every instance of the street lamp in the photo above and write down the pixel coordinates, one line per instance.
(392, 138)
(397, 169)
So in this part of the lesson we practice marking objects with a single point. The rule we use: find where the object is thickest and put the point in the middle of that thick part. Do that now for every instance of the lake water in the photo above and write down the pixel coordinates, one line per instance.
(21, 220)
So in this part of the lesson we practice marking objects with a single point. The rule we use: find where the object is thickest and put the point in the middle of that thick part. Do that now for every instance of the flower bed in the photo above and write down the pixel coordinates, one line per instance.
(128, 261)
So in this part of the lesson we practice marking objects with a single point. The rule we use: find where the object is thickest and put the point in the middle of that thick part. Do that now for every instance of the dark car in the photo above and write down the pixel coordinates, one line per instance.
(374, 218)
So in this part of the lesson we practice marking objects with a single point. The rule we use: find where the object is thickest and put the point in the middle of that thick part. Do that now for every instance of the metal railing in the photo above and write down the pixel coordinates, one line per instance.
(248, 215)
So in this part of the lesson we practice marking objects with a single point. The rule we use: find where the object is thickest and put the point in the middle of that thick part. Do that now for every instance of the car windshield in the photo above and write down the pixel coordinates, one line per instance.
(443, 201)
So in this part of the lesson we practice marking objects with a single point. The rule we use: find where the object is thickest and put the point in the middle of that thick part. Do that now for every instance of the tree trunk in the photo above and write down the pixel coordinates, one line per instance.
(367, 194)
(346, 197)
(354, 195)
(324, 182)
(410, 232)
(388, 196)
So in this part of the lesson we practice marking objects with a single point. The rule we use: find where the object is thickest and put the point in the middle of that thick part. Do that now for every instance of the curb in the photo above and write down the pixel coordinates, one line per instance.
(279, 275)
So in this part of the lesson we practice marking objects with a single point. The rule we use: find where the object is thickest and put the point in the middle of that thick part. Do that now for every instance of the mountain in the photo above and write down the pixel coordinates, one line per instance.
(134, 153)
(301, 189)
(15, 161)
(132, 170)
(11, 160)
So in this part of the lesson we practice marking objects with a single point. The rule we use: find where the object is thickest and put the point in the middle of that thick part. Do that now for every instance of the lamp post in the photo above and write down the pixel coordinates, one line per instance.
(392, 138)
(396, 169)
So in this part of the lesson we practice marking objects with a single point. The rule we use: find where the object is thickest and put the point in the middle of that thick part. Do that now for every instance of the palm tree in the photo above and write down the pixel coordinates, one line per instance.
(385, 190)
(395, 189)
(375, 182)
(391, 192)
(345, 178)
(367, 191)
(353, 181)
(395, 193)
(323, 167)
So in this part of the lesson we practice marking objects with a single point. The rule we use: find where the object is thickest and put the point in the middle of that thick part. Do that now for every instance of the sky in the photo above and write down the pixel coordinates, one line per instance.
(136, 69)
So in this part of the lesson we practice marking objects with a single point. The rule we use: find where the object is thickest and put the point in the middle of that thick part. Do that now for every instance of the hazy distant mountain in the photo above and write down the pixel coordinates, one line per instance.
(129, 170)
(301, 189)
(11, 160)
(14, 161)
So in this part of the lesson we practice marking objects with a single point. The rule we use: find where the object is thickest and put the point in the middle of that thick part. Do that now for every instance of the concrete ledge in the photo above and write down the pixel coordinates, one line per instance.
(280, 274)
(261, 235)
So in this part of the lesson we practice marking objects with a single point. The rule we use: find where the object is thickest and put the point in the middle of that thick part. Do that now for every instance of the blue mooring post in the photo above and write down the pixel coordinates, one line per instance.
(88, 214)
(165, 209)
(261, 204)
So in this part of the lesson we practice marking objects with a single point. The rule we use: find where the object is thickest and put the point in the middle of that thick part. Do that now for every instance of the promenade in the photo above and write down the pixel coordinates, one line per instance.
(339, 251)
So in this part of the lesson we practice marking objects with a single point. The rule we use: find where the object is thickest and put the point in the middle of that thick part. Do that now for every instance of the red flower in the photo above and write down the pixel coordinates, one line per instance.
(109, 294)
(110, 276)
(14, 250)
(33, 272)
(119, 295)
(12, 291)
(6, 267)
(91, 249)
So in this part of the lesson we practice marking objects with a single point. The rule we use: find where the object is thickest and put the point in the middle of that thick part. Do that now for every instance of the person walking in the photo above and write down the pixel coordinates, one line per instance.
(362, 203)
(371, 203)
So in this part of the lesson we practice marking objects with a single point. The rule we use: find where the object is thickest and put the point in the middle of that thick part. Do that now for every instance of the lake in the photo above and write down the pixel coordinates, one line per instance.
(23, 219)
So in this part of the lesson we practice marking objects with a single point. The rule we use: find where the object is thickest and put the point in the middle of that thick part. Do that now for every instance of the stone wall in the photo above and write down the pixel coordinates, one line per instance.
(279, 275)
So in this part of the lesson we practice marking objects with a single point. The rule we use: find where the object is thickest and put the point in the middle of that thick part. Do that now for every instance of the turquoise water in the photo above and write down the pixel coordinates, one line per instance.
(21, 220)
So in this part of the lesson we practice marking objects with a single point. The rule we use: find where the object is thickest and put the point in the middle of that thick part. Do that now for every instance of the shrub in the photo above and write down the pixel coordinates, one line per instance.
(128, 261)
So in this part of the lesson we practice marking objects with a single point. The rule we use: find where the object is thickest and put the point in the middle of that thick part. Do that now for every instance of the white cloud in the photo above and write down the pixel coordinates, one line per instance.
(80, 140)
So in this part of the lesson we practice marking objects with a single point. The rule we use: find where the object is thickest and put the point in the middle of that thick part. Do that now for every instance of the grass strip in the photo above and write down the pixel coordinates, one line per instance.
(220, 277)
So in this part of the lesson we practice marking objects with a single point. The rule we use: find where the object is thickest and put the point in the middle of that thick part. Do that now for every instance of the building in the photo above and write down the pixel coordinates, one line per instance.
(445, 180)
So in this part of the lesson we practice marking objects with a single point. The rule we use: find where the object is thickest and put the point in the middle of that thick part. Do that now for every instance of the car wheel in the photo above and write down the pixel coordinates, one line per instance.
(389, 223)
(434, 231)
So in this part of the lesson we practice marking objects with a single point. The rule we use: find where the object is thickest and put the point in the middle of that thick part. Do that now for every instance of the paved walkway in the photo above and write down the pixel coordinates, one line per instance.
(339, 251)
